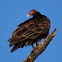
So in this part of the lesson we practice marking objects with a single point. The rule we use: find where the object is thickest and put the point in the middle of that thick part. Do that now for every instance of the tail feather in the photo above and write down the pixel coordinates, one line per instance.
(18, 45)
(14, 41)
(10, 39)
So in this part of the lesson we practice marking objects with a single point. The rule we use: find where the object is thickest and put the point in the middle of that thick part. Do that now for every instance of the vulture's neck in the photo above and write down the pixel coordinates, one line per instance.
(37, 14)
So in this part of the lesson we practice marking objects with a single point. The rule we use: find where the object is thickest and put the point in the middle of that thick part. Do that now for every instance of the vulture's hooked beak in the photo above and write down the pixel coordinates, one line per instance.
(28, 15)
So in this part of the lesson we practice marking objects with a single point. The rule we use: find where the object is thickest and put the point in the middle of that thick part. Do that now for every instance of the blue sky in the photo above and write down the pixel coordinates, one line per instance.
(14, 12)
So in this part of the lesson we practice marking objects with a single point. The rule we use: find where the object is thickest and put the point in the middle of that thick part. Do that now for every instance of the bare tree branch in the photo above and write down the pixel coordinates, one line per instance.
(40, 48)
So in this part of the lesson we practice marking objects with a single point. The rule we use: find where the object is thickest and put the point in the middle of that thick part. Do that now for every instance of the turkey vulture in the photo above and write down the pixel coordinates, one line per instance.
(31, 31)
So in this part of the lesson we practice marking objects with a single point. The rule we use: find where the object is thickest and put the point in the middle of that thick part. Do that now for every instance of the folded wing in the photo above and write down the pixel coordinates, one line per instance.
(29, 32)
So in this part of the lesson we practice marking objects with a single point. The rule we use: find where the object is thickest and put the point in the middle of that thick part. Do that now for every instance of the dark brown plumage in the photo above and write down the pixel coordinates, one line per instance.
(30, 31)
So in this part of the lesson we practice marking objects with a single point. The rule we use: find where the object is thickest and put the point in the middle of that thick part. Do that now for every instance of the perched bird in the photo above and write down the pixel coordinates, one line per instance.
(31, 31)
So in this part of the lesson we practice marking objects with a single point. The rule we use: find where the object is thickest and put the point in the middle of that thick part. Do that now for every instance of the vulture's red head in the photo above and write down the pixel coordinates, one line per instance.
(32, 12)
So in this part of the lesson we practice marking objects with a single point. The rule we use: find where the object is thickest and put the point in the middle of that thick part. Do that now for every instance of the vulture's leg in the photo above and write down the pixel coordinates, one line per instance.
(36, 43)
(32, 46)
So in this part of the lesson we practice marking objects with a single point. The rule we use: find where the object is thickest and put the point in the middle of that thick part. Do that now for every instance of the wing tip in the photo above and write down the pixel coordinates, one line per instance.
(10, 39)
